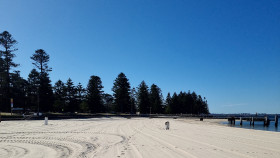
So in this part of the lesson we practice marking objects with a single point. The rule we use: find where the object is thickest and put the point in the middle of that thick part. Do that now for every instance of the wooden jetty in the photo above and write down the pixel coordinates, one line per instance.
(253, 119)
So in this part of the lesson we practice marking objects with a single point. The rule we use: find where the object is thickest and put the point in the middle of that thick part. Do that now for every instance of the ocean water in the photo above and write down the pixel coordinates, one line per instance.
(258, 125)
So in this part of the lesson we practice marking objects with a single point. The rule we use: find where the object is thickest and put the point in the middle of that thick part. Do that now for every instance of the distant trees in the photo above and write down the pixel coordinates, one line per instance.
(94, 95)
(186, 103)
(121, 93)
(37, 93)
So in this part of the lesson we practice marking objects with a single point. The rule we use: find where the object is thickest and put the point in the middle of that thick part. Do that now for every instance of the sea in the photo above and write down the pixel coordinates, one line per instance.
(258, 125)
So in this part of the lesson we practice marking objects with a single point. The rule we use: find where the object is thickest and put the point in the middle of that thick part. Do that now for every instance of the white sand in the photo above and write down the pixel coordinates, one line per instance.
(136, 137)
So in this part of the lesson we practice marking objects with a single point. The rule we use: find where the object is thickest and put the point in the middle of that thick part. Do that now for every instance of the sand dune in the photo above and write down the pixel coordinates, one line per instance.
(136, 137)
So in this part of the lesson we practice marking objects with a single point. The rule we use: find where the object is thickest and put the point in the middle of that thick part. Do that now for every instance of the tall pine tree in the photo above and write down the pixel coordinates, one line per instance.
(156, 99)
(7, 42)
(60, 96)
(121, 94)
(40, 60)
(143, 98)
(94, 94)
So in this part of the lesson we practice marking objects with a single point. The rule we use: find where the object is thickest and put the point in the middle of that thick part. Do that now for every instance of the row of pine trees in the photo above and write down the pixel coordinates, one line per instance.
(37, 93)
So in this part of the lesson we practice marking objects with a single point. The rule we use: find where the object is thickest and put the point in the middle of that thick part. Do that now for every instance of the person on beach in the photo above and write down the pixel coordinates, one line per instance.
(167, 125)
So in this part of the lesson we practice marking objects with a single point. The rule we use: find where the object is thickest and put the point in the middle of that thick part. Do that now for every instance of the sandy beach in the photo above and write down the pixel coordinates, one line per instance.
(136, 137)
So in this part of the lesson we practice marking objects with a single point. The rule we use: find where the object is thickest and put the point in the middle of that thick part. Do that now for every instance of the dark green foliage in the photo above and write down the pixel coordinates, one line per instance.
(71, 97)
(174, 106)
(19, 90)
(133, 101)
(143, 98)
(121, 94)
(46, 98)
(3, 84)
(186, 103)
(41, 60)
(33, 89)
(7, 47)
(94, 95)
(168, 104)
(60, 96)
(156, 99)
(80, 97)
(108, 102)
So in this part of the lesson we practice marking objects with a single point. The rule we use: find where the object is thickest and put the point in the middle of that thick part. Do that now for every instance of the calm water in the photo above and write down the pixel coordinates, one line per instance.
(258, 125)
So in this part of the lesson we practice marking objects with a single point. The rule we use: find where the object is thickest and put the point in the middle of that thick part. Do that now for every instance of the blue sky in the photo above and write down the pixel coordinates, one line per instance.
(227, 51)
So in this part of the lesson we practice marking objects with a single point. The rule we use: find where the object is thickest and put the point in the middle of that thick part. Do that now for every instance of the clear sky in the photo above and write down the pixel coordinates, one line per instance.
(226, 50)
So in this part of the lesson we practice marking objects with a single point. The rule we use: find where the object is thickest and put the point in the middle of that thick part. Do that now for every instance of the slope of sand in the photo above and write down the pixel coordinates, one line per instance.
(136, 137)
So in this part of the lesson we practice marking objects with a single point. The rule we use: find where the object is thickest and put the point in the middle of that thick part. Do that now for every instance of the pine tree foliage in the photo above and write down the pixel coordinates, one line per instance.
(121, 93)
(60, 96)
(45, 93)
(46, 98)
(143, 98)
(186, 103)
(94, 95)
(133, 101)
(156, 99)
(33, 89)
(7, 49)
(19, 87)
(41, 60)
(71, 96)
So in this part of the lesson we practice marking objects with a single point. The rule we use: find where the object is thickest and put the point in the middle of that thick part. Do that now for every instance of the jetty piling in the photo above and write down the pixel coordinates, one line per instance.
(276, 120)
(241, 121)
(266, 121)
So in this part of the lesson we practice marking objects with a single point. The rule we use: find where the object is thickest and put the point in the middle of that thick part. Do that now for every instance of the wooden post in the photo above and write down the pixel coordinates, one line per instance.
(265, 121)
(241, 121)
(253, 121)
(276, 120)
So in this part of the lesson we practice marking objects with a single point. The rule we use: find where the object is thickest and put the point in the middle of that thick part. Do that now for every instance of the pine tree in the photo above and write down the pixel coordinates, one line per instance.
(7, 55)
(94, 94)
(168, 103)
(46, 99)
(143, 98)
(155, 99)
(33, 89)
(108, 101)
(81, 93)
(19, 90)
(133, 101)
(71, 96)
(41, 60)
(2, 83)
(174, 104)
(60, 96)
(121, 93)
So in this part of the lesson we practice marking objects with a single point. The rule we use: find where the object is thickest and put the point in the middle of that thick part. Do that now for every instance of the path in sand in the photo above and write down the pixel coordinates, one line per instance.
(136, 137)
